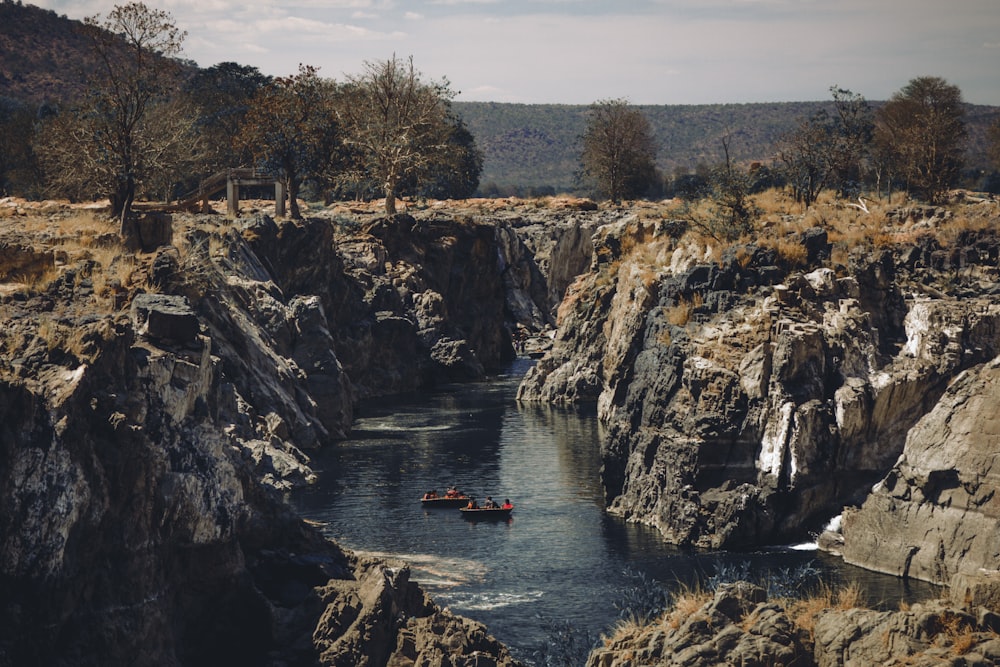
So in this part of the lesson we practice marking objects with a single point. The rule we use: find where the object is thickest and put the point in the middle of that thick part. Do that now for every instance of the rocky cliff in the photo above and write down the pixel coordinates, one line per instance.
(936, 514)
(754, 389)
(152, 407)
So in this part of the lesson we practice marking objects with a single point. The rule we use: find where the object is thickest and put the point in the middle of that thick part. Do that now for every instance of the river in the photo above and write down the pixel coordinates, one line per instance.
(560, 561)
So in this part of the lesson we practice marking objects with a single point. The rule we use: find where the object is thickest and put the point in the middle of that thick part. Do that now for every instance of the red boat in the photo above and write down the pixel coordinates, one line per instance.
(490, 513)
(445, 501)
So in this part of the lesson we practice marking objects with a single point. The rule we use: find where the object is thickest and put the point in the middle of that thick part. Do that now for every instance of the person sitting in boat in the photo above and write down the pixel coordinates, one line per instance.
(431, 495)
(490, 503)
(452, 492)
(473, 505)
(507, 504)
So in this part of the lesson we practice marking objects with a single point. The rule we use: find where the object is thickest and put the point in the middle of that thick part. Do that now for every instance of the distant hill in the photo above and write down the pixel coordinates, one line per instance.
(43, 57)
(536, 145)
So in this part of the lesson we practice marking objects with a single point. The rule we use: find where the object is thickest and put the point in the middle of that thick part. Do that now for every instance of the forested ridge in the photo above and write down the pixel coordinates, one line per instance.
(538, 145)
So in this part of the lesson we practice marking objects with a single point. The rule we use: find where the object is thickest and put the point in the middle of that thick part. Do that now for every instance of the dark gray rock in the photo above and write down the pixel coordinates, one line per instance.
(164, 318)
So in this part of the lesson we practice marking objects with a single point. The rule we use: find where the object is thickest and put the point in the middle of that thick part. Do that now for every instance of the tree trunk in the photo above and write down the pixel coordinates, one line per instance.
(121, 208)
(292, 185)
(390, 199)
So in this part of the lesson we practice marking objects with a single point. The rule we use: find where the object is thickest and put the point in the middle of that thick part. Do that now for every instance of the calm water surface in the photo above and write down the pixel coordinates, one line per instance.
(559, 559)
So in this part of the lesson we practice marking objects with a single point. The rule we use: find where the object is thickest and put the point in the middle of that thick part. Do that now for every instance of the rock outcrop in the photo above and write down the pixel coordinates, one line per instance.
(739, 625)
(408, 303)
(936, 515)
(145, 439)
(750, 393)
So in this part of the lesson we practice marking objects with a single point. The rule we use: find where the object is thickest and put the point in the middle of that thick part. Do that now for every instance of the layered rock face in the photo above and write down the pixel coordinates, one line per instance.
(936, 514)
(144, 439)
(408, 303)
(751, 393)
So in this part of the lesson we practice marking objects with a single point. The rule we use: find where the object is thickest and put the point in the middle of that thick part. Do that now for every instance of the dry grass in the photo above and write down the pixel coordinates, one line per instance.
(805, 611)
(680, 313)
(743, 256)
(792, 253)
(59, 336)
(34, 282)
(870, 223)
(851, 596)
(687, 602)
(627, 627)
(958, 632)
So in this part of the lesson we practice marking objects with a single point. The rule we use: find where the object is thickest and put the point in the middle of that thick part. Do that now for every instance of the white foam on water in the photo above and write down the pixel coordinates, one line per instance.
(487, 601)
(437, 572)
(833, 526)
(400, 428)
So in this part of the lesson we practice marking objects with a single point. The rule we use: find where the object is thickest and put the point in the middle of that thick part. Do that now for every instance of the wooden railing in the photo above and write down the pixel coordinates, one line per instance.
(229, 180)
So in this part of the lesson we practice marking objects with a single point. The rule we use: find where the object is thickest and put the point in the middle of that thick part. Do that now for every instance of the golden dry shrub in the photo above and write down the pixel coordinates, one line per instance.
(680, 313)
(687, 602)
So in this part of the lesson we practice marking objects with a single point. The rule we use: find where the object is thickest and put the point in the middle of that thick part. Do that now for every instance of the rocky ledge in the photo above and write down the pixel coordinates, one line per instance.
(154, 406)
(739, 625)
(754, 389)
(935, 515)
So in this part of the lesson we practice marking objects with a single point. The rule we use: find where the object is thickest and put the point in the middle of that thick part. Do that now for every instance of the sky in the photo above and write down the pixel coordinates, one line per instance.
(581, 51)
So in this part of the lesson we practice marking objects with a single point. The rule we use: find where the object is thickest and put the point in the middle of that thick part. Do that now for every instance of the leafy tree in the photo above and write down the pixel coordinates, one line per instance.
(222, 95)
(399, 128)
(619, 154)
(921, 131)
(292, 130)
(136, 46)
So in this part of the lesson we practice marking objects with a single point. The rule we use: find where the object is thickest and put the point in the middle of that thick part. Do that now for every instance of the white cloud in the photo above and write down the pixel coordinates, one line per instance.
(576, 51)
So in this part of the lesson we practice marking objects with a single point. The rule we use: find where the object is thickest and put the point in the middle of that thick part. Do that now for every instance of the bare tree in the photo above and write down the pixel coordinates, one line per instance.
(922, 128)
(853, 127)
(136, 46)
(618, 150)
(73, 149)
(398, 126)
(806, 154)
(108, 143)
(733, 209)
